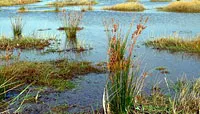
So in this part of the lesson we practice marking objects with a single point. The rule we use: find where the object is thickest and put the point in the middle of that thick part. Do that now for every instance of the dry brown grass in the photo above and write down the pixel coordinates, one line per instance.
(62, 3)
(129, 6)
(183, 6)
(16, 2)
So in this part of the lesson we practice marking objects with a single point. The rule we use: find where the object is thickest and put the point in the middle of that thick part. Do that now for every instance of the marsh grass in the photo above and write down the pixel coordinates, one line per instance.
(70, 22)
(56, 74)
(16, 2)
(183, 98)
(176, 44)
(17, 26)
(182, 6)
(128, 6)
(124, 83)
(24, 43)
(62, 3)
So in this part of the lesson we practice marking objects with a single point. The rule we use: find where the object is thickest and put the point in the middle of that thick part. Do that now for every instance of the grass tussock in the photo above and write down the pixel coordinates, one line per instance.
(55, 74)
(129, 6)
(62, 3)
(121, 87)
(16, 2)
(23, 43)
(17, 26)
(183, 98)
(70, 22)
(183, 6)
(175, 44)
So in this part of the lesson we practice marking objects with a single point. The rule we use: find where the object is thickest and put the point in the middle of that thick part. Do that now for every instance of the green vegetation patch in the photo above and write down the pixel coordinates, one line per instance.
(24, 43)
(174, 44)
(16, 2)
(183, 6)
(185, 101)
(55, 74)
(128, 6)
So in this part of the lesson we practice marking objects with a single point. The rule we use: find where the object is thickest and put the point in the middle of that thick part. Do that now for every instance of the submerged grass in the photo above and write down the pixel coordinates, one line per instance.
(56, 74)
(183, 6)
(128, 6)
(62, 3)
(175, 44)
(23, 43)
(16, 2)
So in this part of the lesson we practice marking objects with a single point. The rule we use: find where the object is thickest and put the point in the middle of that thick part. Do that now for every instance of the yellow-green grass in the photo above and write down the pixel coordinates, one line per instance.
(56, 74)
(183, 6)
(16, 2)
(160, 0)
(185, 100)
(128, 6)
(174, 44)
(63, 3)
(24, 43)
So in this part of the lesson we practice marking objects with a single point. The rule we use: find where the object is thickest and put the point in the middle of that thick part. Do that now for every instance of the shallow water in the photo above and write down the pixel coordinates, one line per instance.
(159, 24)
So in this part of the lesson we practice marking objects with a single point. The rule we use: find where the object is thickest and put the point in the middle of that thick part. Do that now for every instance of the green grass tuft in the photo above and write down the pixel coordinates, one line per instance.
(174, 44)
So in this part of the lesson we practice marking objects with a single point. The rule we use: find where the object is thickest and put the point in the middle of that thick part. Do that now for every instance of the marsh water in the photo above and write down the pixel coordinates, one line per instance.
(160, 24)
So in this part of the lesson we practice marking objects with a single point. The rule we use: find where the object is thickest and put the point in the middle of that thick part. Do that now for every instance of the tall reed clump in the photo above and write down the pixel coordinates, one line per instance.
(70, 22)
(123, 83)
(17, 27)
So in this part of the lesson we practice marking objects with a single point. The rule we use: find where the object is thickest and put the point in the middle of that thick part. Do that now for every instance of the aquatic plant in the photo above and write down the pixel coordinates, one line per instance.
(176, 44)
(182, 6)
(22, 9)
(124, 84)
(128, 6)
(17, 27)
(70, 22)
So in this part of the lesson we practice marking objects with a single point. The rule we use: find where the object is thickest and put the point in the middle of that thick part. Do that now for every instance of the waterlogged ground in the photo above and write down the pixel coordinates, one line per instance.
(93, 34)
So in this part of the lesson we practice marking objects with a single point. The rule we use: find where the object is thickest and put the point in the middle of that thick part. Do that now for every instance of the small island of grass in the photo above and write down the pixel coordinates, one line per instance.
(128, 6)
(16, 2)
(176, 44)
(182, 6)
(63, 3)
(24, 43)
